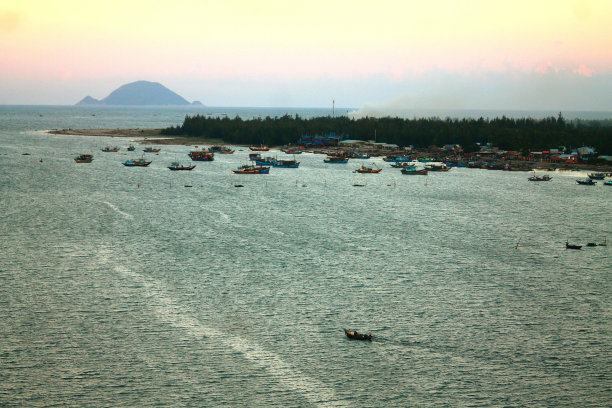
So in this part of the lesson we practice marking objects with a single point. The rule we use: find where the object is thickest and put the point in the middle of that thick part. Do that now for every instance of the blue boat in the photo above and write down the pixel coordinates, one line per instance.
(136, 163)
(265, 161)
(597, 176)
(586, 182)
(288, 164)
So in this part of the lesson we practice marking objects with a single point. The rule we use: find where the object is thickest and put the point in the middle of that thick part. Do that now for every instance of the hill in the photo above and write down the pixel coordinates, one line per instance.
(138, 93)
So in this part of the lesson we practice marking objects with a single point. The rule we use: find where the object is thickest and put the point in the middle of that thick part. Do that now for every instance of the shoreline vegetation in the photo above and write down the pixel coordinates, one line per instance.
(424, 135)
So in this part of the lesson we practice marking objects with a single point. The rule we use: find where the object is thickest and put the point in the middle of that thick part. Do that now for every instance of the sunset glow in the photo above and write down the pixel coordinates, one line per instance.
(177, 41)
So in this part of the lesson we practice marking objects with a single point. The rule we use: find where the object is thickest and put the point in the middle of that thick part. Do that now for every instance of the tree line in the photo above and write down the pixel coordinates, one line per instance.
(520, 135)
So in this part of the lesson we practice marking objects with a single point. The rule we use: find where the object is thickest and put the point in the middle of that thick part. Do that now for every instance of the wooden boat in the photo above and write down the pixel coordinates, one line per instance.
(151, 150)
(110, 149)
(136, 163)
(367, 170)
(608, 183)
(261, 148)
(221, 150)
(288, 164)
(84, 158)
(131, 148)
(250, 169)
(545, 177)
(265, 161)
(586, 182)
(411, 171)
(201, 155)
(571, 246)
(354, 335)
(438, 167)
(177, 166)
(597, 176)
(336, 159)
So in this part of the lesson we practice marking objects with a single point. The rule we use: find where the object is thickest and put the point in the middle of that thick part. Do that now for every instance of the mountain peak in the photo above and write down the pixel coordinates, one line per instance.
(138, 93)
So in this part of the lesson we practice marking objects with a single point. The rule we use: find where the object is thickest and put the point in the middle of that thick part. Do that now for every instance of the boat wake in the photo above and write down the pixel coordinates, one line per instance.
(117, 210)
(173, 314)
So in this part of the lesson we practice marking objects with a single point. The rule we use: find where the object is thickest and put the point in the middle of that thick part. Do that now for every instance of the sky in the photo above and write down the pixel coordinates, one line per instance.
(370, 55)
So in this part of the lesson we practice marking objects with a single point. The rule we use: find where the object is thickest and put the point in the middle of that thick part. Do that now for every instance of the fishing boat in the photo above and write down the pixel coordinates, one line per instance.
(586, 182)
(136, 163)
(84, 158)
(151, 150)
(293, 151)
(250, 169)
(336, 159)
(131, 148)
(178, 166)
(110, 149)
(412, 171)
(288, 164)
(597, 176)
(438, 167)
(545, 177)
(261, 148)
(361, 156)
(201, 155)
(221, 149)
(265, 161)
(367, 170)
(254, 156)
(571, 246)
(354, 335)
(608, 183)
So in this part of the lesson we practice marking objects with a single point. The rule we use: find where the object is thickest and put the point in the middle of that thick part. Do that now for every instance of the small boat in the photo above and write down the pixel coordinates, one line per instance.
(136, 163)
(110, 149)
(288, 164)
(250, 169)
(254, 156)
(411, 171)
(608, 183)
(571, 246)
(84, 158)
(367, 170)
(261, 148)
(178, 166)
(354, 335)
(586, 182)
(131, 148)
(597, 176)
(545, 177)
(336, 159)
(151, 150)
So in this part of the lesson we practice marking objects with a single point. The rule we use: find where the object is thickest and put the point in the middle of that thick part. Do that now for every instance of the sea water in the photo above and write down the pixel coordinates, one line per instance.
(125, 287)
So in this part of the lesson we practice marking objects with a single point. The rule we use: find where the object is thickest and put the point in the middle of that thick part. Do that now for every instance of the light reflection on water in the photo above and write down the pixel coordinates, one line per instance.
(119, 295)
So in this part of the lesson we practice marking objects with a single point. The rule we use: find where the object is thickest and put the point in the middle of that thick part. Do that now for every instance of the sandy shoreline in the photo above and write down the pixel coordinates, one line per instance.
(139, 136)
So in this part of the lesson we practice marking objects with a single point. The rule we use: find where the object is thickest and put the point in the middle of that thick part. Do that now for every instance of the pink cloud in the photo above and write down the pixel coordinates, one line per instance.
(583, 70)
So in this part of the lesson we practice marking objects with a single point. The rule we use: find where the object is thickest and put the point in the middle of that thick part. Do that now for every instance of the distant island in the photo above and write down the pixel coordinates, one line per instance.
(139, 93)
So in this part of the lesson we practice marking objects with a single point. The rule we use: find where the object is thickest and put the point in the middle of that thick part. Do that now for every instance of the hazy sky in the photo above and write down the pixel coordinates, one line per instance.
(480, 54)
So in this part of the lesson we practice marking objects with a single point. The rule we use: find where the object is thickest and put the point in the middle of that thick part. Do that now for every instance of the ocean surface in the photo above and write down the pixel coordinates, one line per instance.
(123, 287)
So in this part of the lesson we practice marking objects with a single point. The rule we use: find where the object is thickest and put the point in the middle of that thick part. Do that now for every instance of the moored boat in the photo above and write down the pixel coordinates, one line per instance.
(221, 149)
(110, 149)
(261, 148)
(250, 169)
(288, 164)
(136, 163)
(354, 335)
(412, 171)
(84, 158)
(545, 177)
(178, 166)
(201, 155)
(608, 183)
(597, 176)
(336, 159)
(438, 167)
(151, 150)
(571, 246)
(367, 170)
(131, 148)
(586, 182)
(265, 161)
